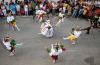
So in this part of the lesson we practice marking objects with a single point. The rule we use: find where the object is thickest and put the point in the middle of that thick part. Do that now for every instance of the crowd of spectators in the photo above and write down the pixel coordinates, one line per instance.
(70, 9)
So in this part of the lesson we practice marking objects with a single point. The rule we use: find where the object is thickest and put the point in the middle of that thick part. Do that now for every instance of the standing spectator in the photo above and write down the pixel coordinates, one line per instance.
(4, 10)
(13, 8)
(22, 8)
(18, 8)
(84, 12)
(69, 8)
(80, 13)
(26, 9)
(7, 6)
(54, 7)
(99, 22)
(1, 13)
(75, 12)
(30, 8)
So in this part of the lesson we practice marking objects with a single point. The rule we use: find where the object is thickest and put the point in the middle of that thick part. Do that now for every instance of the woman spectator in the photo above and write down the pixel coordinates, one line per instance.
(4, 9)
(26, 9)
(13, 8)
(18, 8)
(22, 8)
(1, 13)
(30, 9)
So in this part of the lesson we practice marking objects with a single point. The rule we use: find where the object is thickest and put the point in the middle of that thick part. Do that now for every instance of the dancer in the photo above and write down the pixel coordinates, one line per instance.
(6, 43)
(12, 22)
(47, 29)
(13, 46)
(72, 38)
(55, 51)
(61, 18)
(10, 45)
(77, 32)
(40, 14)
(74, 35)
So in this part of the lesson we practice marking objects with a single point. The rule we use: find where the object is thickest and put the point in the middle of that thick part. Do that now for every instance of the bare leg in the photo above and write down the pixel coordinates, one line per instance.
(58, 22)
(17, 27)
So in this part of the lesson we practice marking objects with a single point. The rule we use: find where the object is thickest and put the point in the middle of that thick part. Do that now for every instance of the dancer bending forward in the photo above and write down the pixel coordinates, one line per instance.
(55, 51)
(47, 29)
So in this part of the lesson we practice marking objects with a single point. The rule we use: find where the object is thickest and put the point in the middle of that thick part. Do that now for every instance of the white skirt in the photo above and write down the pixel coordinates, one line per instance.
(47, 32)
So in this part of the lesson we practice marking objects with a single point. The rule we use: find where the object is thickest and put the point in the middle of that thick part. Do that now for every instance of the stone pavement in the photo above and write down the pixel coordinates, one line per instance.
(32, 52)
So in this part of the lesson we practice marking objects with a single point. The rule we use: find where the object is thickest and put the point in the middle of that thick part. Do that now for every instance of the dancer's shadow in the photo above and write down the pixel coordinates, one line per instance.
(89, 60)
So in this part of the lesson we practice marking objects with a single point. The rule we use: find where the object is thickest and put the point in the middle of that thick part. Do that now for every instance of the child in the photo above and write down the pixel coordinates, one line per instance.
(55, 50)
(47, 29)
(26, 9)
(10, 45)
(13, 45)
(75, 34)
(72, 38)
(61, 18)
(11, 21)
(6, 42)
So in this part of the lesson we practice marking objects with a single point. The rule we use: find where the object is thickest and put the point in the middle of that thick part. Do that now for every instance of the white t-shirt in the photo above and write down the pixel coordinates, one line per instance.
(77, 33)
(54, 52)
(10, 18)
(26, 7)
(18, 7)
(41, 5)
(7, 44)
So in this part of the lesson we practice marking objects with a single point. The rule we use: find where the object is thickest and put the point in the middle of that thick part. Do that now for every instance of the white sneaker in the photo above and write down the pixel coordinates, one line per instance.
(64, 38)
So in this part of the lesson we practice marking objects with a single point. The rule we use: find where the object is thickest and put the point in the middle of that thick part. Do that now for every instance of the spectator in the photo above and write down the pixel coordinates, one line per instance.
(26, 9)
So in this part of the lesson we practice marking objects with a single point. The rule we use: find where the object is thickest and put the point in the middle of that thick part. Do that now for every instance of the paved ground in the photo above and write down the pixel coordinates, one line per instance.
(85, 52)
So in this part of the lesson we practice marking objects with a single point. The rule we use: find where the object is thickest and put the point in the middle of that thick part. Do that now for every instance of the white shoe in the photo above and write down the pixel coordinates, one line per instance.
(64, 38)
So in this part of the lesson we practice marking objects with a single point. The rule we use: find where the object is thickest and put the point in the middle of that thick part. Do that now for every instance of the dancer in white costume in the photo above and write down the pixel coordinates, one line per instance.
(47, 29)
(6, 42)
(55, 50)
(61, 18)
(40, 14)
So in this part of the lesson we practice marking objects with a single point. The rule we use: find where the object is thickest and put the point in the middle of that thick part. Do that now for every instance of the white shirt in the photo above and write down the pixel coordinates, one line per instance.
(10, 18)
(18, 7)
(7, 44)
(41, 5)
(77, 33)
(54, 52)
(26, 8)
